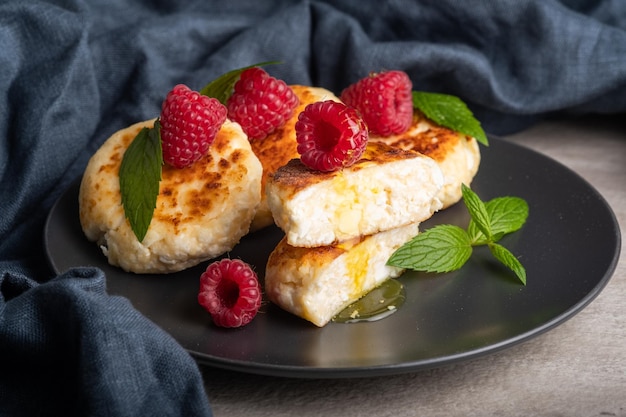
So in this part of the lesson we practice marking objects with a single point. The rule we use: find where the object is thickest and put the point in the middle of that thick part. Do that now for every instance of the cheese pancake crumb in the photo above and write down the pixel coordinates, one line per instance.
(458, 155)
(318, 283)
(387, 188)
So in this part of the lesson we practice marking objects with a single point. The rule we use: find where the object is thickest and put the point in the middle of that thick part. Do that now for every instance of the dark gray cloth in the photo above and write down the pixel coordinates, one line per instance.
(72, 72)
(68, 349)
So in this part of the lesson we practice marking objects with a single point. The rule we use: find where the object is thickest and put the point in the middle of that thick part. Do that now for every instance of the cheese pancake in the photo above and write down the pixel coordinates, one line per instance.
(318, 283)
(387, 188)
(280, 147)
(458, 155)
(201, 211)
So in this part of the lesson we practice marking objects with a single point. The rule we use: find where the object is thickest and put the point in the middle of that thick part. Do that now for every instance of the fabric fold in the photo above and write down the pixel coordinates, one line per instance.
(67, 344)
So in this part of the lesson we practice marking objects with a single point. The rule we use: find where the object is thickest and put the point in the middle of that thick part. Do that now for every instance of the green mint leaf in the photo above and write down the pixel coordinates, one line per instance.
(446, 247)
(477, 211)
(140, 175)
(443, 248)
(451, 112)
(221, 88)
(508, 259)
(506, 214)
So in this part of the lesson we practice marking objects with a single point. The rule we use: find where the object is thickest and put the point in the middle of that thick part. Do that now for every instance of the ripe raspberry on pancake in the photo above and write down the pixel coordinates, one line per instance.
(260, 103)
(189, 123)
(330, 136)
(384, 101)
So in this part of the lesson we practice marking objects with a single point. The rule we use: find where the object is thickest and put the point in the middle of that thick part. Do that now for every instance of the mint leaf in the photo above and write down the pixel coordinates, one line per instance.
(508, 259)
(446, 247)
(477, 211)
(140, 175)
(443, 248)
(451, 112)
(506, 214)
(221, 88)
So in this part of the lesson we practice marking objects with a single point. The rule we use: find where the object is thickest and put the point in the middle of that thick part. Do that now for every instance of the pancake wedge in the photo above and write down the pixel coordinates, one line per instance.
(318, 283)
(387, 188)
(280, 147)
(458, 155)
(201, 211)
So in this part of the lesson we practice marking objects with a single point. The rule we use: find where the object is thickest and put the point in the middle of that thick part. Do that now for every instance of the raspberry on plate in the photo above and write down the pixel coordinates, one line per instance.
(189, 124)
(384, 100)
(330, 136)
(230, 292)
(260, 103)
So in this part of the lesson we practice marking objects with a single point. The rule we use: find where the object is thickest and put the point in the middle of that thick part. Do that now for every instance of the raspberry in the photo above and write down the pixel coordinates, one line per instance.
(260, 103)
(384, 100)
(330, 135)
(230, 292)
(189, 124)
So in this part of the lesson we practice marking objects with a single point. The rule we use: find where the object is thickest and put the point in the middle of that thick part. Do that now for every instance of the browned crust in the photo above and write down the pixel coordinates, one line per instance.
(284, 255)
(437, 141)
(296, 176)
(178, 207)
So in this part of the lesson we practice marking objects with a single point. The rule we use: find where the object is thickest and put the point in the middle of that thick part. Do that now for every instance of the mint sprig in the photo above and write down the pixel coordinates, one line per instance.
(451, 112)
(506, 215)
(446, 248)
(140, 175)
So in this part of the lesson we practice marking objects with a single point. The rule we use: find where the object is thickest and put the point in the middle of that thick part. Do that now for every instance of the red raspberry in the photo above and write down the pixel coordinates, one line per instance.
(189, 124)
(230, 292)
(384, 100)
(260, 103)
(330, 135)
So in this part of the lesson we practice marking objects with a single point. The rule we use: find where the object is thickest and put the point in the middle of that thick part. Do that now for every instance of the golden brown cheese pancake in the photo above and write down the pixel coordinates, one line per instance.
(318, 283)
(387, 188)
(201, 212)
(458, 155)
(280, 147)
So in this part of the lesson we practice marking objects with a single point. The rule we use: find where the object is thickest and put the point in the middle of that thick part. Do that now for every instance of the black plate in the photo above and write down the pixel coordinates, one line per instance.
(569, 246)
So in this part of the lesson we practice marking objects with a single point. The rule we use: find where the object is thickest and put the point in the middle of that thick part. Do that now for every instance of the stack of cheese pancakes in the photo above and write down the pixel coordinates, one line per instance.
(340, 227)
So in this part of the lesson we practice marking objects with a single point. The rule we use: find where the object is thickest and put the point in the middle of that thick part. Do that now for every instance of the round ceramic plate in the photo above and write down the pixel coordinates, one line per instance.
(569, 246)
